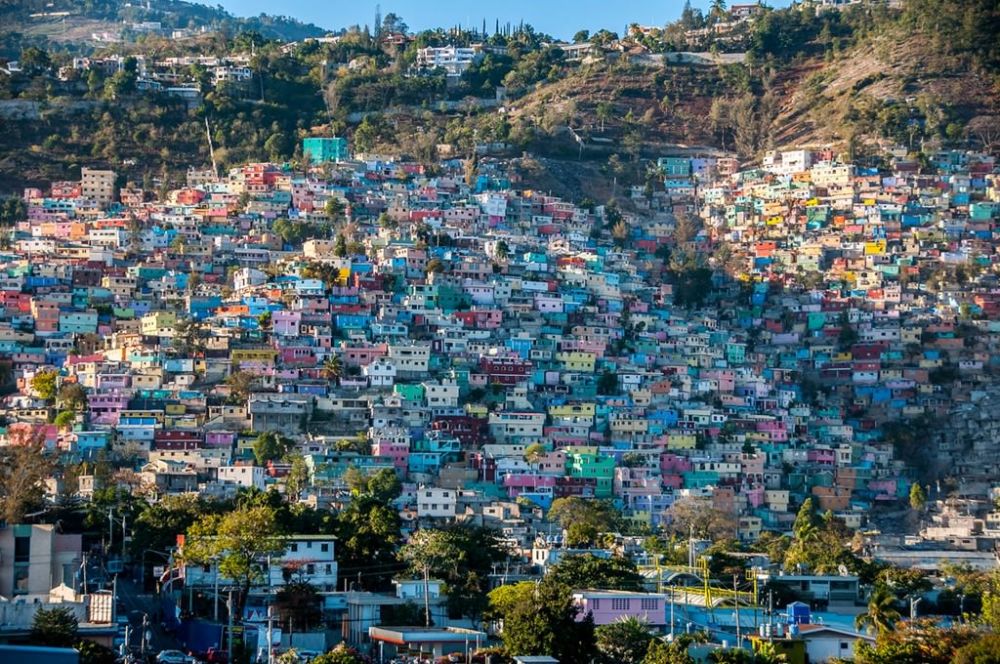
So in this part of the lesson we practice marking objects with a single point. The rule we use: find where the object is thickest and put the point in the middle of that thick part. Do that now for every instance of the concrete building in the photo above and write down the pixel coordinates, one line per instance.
(98, 185)
(34, 559)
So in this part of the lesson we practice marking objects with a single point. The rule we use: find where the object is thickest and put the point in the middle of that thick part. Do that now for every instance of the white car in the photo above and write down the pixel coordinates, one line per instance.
(172, 657)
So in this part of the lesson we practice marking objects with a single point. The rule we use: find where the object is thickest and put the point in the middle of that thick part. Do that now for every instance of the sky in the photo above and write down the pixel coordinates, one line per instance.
(559, 18)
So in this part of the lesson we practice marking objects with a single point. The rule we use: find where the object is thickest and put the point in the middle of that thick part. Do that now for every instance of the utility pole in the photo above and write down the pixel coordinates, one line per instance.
(427, 598)
(269, 627)
(736, 596)
(229, 634)
(215, 600)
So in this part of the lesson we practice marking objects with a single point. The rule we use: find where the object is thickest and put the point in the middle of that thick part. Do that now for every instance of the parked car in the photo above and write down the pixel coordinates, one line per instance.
(172, 657)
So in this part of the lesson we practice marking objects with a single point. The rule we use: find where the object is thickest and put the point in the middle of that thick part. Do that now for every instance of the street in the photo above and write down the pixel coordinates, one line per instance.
(135, 605)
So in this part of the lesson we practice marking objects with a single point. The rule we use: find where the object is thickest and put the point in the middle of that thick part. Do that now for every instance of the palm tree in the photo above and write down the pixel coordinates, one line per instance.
(502, 251)
(333, 368)
(881, 616)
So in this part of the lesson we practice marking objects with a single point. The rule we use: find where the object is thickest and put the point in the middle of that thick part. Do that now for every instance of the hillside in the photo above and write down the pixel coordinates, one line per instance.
(855, 80)
(71, 25)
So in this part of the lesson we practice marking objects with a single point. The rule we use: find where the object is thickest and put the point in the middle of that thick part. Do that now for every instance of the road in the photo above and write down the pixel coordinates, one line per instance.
(136, 604)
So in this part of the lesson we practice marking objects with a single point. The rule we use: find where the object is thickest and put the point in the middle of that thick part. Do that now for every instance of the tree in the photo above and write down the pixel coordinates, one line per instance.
(333, 368)
(660, 652)
(72, 396)
(43, 384)
(368, 532)
(299, 606)
(917, 496)
(342, 654)
(297, 478)
(384, 485)
(463, 557)
(241, 541)
(624, 641)
(157, 524)
(56, 628)
(534, 452)
(95, 653)
(581, 36)
(607, 383)
(23, 469)
(541, 619)
(65, 419)
(984, 650)
(881, 615)
(241, 384)
(270, 446)
(597, 513)
(589, 571)
(697, 516)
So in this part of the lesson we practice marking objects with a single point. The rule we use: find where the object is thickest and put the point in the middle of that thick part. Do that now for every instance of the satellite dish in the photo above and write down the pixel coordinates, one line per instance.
(842, 569)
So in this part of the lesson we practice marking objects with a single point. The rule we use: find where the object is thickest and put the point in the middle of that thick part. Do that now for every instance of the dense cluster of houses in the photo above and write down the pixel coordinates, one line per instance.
(499, 348)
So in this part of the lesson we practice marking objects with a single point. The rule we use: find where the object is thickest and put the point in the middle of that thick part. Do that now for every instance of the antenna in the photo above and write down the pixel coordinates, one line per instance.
(211, 149)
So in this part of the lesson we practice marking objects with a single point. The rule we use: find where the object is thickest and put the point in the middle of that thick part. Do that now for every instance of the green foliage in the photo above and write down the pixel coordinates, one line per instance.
(95, 653)
(462, 556)
(296, 232)
(881, 615)
(23, 468)
(918, 499)
(541, 619)
(342, 654)
(660, 652)
(270, 446)
(158, 524)
(984, 650)
(589, 571)
(624, 641)
(298, 606)
(589, 516)
(368, 533)
(12, 210)
(241, 541)
(43, 384)
(56, 628)
(918, 642)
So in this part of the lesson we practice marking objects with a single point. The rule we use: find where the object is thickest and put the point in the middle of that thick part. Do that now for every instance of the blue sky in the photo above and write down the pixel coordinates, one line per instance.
(560, 18)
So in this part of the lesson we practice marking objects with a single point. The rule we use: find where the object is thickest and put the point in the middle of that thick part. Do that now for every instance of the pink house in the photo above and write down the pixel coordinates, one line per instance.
(219, 438)
(608, 606)
(398, 452)
(674, 463)
(517, 484)
(286, 323)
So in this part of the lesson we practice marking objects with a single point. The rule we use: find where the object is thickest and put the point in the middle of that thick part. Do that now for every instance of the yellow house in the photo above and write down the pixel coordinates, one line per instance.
(572, 410)
(265, 356)
(577, 361)
(876, 248)
(159, 324)
(681, 441)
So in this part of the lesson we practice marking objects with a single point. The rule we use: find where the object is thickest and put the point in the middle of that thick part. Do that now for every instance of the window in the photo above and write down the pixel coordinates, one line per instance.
(844, 645)
(293, 547)
(649, 604)
(310, 569)
(619, 604)
(22, 549)
(595, 604)
(324, 547)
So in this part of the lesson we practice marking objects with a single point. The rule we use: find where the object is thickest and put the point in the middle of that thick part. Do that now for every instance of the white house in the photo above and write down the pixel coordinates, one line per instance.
(244, 476)
(436, 503)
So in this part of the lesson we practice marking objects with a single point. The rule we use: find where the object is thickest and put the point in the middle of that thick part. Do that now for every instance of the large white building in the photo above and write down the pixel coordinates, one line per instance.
(453, 59)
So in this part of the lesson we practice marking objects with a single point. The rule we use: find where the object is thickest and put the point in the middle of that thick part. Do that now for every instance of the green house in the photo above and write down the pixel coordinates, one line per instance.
(324, 149)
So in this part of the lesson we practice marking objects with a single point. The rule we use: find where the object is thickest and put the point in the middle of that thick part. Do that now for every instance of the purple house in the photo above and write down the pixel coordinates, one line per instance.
(608, 606)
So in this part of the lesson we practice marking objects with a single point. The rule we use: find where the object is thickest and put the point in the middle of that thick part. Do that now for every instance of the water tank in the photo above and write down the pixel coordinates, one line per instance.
(798, 613)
